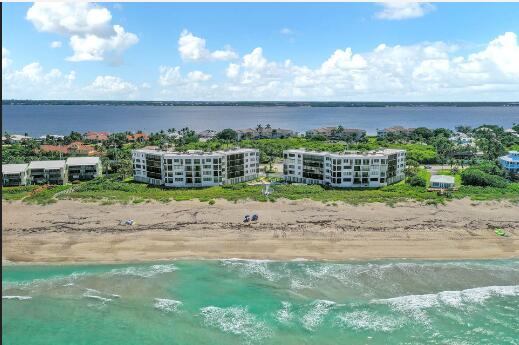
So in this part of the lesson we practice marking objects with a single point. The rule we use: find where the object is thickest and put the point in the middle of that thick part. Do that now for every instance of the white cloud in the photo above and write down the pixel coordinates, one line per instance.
(424, 71)
(6, 61)
(172, 77)
(55, 44)
(92, 35)
(286, 31)
(111, 87)
(193, 48)
(169, 75)
(95, 48)
(399, 10)
(32, 82)
(198, 76)
(232, 70)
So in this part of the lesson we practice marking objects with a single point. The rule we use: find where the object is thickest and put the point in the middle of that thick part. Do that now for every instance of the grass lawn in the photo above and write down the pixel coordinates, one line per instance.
(109, 191)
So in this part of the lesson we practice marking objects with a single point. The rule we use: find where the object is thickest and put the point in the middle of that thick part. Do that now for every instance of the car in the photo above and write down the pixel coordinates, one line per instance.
(428, 167)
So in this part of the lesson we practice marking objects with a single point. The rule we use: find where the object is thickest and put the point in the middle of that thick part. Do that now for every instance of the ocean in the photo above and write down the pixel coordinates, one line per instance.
(263, 302)
(37, 120)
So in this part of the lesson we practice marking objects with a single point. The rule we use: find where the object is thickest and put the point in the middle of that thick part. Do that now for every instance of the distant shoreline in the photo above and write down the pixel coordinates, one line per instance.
(259, 103)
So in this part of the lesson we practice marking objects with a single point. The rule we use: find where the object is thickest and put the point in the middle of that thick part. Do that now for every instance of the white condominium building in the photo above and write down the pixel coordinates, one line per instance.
(347, 169)
(195, 168)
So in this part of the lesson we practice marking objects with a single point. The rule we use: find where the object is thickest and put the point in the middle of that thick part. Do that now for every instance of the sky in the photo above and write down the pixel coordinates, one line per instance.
(261, 51)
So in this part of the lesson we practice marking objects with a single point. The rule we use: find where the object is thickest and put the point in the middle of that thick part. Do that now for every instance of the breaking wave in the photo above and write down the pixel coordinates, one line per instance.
(315, 316)
(19, 298)
(235, 320)
(364, 320)
(144, 271)
(167, 305)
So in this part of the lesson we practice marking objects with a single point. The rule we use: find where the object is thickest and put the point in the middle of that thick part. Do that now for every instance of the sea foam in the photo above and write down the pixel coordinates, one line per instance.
(144, 271)
(167, 305)
(364, 320)
(315, 316)
(235, 320)
(19, 298)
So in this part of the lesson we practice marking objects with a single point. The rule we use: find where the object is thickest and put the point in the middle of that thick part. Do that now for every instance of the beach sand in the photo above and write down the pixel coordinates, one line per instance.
(74, 232)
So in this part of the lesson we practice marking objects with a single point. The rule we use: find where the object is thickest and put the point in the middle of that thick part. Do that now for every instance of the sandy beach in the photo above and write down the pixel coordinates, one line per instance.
(70, 231)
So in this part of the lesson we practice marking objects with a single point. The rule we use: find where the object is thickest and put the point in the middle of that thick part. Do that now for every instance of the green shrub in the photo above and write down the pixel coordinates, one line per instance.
(417, 181)
(212, 202)
(477, 177)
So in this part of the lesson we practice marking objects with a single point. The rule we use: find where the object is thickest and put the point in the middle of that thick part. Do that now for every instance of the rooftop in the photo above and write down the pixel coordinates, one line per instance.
(381, 153)
(83, 160)
(13, 168)
(512, 156)
(195, 152)
(47, 165)
(442, 179)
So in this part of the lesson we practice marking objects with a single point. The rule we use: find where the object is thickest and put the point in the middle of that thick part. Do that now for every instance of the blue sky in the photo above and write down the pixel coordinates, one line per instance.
(439, 51)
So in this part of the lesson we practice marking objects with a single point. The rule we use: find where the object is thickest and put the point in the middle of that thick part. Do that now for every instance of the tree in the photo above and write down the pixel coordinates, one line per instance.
(227, 134)
(259, 128)
(417, 181)
(422, 134)
(73, 136)
(444, 148)
(490, 143)
(463, 129)
(268, 126)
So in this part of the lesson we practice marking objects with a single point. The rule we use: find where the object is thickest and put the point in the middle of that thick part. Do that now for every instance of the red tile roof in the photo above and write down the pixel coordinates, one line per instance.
(100, 136)
(76, 147)
(138, 136)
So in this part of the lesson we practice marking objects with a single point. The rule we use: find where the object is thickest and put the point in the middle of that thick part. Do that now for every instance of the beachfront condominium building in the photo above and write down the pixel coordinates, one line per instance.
(14, 175)
(83, 168)
(510, 162)
(47, 172)
(347, 169)
(195, 168)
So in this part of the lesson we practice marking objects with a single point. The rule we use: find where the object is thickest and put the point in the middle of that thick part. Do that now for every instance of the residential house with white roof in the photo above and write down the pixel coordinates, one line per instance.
(14, 174)
(47, 172)
(83, 168)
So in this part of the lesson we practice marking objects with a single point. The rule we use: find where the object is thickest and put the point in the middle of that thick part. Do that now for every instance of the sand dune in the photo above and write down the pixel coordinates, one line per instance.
(70, 231)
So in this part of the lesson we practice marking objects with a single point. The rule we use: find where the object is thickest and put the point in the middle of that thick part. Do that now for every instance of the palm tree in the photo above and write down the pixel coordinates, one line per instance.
(259, 128)
(268, 126)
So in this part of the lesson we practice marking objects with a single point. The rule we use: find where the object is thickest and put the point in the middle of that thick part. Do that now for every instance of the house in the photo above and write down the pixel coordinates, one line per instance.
(396, 130)
(97, 136)
(17, 138)
(462, 139)
(138, 137)
(442, 182)
(510, 162)
(14, 174)
(83, 168)
(208, 134)
(264, 133)
(195, 168)
(76, 147)
(512, 131)
(338, 133)
(47, 172)
(52, 136)
(348, 169)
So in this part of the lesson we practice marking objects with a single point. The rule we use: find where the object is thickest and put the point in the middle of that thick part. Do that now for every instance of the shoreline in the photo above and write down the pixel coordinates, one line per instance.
(72, 232)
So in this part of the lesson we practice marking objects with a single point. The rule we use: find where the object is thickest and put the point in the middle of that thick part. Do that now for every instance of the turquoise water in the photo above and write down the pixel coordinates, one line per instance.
(263, 302)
